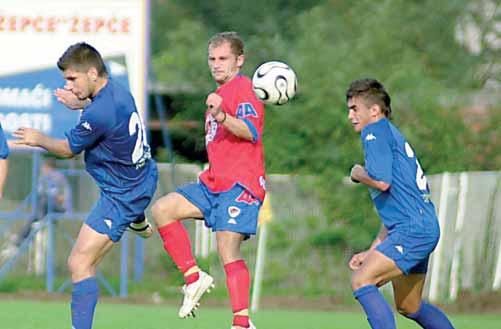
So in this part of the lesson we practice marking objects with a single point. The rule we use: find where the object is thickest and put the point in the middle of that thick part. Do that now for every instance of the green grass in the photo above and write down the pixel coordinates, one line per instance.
(22, 314)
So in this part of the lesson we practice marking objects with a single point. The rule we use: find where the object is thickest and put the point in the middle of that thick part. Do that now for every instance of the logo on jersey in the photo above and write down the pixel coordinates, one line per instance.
(400, 249)
(210, 129)
(262, 182)
(86, 125)
(108, 222)
(370, 137)
(246, 197)
(245, 110)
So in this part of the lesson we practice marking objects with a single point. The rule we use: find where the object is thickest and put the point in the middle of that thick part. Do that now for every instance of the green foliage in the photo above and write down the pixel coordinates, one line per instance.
(411, 46)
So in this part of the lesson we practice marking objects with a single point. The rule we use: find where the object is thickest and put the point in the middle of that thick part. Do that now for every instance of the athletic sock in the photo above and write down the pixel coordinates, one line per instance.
(378, 311)
(430, 317)
(241, 321)
(190, 278)
(238, 283)
(177, 244)
(83, 302)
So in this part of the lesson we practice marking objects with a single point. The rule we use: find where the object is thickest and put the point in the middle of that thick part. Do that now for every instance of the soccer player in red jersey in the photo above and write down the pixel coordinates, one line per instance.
(230, 192)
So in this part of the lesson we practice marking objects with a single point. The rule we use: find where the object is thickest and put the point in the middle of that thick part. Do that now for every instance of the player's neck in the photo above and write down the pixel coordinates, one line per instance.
(100, 84)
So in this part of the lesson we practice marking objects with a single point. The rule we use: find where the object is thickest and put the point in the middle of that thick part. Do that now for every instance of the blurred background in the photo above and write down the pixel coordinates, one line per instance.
(439, 60)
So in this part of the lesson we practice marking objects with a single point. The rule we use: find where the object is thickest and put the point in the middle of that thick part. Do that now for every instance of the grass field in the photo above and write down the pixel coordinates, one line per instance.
(22, 314)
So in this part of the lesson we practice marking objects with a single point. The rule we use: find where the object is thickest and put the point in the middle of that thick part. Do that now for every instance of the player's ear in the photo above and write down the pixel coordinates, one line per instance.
(92, 73)
(240, 60)
(375, 110)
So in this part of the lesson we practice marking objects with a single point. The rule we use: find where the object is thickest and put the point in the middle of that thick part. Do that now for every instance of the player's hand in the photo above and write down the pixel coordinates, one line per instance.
(214, 102)
(69, 99)
(356, 172)
(357, 260)
(27, 136)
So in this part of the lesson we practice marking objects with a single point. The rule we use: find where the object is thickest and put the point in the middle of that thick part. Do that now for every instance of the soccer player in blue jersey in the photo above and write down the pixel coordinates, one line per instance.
(4, 166)
(409, 231)
(117, 156)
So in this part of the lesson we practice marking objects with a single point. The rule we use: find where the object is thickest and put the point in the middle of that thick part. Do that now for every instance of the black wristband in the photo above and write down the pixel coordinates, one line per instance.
(224, 119)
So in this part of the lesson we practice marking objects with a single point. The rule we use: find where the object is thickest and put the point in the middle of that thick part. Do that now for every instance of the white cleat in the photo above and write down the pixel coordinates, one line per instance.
(251, 326)
(142, 229)
(193, 292)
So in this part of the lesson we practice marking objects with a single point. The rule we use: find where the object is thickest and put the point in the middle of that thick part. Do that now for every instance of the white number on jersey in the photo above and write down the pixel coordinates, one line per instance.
(421, 180)
(136, 126)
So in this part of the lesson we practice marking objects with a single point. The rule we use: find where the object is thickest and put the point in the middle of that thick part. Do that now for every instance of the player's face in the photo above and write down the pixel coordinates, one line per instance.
(223, 63)
(359, 114)
(79, 83)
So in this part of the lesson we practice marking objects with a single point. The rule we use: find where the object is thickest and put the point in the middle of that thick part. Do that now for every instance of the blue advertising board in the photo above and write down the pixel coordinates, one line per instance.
(27, 100)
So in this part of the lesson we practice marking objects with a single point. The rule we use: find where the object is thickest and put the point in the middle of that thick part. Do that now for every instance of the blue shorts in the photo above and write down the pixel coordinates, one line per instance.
(235, 210)
(411, 254)
(113, 213)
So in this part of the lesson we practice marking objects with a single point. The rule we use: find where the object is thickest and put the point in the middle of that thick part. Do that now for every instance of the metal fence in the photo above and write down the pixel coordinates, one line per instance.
(468, 256)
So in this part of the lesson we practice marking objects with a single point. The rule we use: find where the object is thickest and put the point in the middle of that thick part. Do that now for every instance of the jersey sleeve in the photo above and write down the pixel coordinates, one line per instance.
(251, 113)
(4, 148)
(378, 156)
(92, 126)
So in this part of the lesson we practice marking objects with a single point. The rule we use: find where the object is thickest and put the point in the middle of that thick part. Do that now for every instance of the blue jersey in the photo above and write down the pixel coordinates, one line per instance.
(406, 205)
(111, 133)
(4, 148)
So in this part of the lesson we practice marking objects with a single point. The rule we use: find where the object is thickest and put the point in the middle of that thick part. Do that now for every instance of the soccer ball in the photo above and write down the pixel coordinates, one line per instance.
(274, 83)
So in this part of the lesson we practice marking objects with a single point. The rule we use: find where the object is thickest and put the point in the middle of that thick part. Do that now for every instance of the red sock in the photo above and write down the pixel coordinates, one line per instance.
(241, 321)
(238, 283)
(189, 279)
(178, 246)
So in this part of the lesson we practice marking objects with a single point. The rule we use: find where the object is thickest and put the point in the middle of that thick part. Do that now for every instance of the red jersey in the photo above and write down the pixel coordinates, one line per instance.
(234, 160)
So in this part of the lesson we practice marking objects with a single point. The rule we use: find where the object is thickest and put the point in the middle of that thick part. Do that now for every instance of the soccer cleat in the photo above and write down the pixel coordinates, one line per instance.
(193, 292)
(251, 326)
(142, 229)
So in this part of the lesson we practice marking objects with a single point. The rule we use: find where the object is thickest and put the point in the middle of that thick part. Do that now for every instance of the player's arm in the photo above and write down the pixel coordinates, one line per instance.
(70, 100)
(33, 137)
(360, 175)
(236, 126)
(4, 169)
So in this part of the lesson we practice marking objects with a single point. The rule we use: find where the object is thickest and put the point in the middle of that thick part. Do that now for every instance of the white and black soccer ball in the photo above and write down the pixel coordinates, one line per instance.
(274, 83)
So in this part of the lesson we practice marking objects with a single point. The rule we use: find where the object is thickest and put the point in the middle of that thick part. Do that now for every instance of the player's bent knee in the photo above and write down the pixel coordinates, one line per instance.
(161, 210)
(358, 280)
(408, 308)
(79, 267)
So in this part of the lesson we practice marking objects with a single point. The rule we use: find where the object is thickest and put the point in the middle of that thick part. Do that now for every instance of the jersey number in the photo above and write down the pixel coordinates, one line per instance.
(421, 180)
(136, 126)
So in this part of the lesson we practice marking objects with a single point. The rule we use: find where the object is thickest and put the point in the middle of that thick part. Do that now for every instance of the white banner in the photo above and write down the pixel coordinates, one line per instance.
(34, 34)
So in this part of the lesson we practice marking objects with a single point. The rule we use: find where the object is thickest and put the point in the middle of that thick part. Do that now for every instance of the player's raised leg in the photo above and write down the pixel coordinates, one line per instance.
(167, 212)
(375, 270)
(407, 292)
(86, 254)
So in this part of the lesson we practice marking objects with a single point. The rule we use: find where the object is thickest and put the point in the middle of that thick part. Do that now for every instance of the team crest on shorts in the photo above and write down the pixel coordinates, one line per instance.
(233, 211)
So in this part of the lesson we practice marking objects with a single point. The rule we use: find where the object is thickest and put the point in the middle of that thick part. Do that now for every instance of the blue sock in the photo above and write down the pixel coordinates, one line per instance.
(378, 311)
(83, 302)
(430, 317)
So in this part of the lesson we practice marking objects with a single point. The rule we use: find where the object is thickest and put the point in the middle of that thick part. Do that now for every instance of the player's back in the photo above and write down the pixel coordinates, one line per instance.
(406, 204)
(112, 134)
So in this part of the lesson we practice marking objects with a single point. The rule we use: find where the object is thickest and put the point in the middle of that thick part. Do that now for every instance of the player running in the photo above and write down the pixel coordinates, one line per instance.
(230, 192)
(410, 229)
(117, 156)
